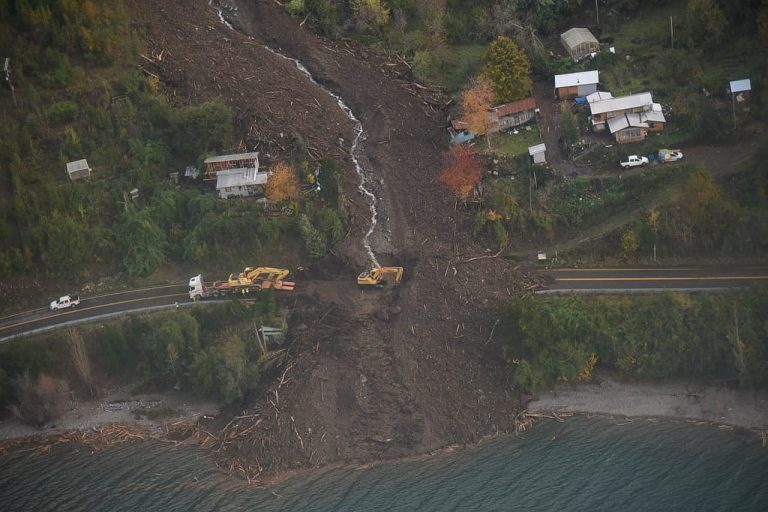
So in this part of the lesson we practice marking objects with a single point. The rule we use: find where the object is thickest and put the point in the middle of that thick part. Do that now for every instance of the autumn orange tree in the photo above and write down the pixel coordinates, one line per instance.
(463, 170)
(283, 184)
(476, 102)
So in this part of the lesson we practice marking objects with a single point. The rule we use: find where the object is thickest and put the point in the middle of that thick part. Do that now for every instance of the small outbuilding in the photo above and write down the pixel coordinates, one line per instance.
(738, 86)
(538, 152)
(740, 89)
(78, 170)
(572, 85)
(579, 42)
(459, 132)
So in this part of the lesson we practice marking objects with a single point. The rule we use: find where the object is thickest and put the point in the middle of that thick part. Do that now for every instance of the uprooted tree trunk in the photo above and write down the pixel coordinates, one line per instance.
(41, 400)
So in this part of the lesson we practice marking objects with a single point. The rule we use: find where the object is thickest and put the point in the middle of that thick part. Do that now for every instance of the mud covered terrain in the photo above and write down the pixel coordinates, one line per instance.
(372, 374)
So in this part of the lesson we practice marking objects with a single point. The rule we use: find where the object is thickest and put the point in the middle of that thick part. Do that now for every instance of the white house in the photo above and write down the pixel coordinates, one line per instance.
(240, 182)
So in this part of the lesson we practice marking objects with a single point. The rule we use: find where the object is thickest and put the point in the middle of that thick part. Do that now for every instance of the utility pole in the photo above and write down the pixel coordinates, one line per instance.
(7, 69)
(672, 32)
(597, 12)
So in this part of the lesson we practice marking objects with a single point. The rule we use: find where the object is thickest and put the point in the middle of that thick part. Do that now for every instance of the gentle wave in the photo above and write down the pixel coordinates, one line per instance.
(581, 464)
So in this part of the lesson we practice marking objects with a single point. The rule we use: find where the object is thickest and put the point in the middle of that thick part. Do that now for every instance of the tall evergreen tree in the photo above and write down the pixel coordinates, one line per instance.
(508, 69)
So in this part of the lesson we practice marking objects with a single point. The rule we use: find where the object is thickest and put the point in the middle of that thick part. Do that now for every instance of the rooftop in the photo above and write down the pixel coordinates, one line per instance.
(228, 158)
(598, 96)
(77, 165)
(515, 107)
(577, 36)
(643, 99)
(538, 148)
(240, 178)
(571, 79)
(741, 85)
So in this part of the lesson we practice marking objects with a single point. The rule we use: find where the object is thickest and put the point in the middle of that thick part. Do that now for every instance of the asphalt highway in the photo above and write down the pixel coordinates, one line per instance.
(648, 280)
(90, 308)
(607, 280)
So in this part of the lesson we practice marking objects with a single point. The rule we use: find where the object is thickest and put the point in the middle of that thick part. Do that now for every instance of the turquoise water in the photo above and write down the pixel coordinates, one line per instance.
(581, 464)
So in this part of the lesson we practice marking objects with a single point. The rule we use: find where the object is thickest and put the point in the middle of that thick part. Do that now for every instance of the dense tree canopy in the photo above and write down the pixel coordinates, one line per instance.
(509, 71)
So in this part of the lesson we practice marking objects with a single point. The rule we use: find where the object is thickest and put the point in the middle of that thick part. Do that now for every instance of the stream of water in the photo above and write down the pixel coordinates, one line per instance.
(355, 150)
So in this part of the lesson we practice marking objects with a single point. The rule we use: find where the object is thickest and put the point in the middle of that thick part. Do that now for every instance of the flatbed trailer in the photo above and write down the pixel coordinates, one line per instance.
(198, 289)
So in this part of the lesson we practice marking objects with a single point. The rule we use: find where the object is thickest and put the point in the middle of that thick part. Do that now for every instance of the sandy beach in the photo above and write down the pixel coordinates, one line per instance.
(681, 400)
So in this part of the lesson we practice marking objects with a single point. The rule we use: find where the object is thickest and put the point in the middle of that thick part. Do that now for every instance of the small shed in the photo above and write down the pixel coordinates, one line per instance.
(459, 132)
(579, 42)
(538, 152)
(191, 172)
(78, 169)
(572, 85)
(743, 85)
(740, 89)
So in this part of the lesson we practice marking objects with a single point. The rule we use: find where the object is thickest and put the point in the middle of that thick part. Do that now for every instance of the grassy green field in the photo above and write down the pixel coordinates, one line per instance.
(451, 67)
(513, 144)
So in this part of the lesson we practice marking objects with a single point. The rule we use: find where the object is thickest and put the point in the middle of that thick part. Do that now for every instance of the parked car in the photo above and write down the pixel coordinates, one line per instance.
(64, 302)
(670, 155)
(633, 161)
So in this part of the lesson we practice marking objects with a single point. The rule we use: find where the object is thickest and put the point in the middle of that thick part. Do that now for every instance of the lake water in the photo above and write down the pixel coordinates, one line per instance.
(581, 464)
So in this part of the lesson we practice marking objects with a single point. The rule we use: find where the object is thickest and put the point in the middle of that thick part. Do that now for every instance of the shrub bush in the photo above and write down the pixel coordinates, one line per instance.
(62, 112)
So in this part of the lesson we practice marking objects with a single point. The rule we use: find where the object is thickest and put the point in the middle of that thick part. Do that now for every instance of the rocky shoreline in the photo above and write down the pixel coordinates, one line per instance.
(674, 400)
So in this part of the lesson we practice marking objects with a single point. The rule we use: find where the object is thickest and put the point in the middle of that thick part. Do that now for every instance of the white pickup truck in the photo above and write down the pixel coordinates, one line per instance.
(633, 161)
(64, 302)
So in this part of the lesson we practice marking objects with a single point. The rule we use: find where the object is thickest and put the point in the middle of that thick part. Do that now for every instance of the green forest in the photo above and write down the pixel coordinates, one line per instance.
(78, 91)
(211, 351)
(651, 337)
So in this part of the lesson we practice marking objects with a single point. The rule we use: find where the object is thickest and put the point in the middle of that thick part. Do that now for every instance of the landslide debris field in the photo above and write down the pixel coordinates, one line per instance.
(372, 374)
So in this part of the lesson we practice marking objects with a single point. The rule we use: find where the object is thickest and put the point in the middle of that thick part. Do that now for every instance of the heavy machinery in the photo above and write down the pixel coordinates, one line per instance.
(262, 281)
(250, 275)
(379, 276)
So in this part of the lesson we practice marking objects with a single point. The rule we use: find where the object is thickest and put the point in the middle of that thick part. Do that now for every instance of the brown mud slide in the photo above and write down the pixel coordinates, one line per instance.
(373, 374)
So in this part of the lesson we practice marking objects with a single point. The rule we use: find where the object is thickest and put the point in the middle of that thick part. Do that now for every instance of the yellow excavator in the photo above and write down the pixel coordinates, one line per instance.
(378, 276)
(251, 274)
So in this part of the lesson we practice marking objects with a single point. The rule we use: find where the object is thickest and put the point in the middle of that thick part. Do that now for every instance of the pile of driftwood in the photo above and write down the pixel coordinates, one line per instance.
(96, 439)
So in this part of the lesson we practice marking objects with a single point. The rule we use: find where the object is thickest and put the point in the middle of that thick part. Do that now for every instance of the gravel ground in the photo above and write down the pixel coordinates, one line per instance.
(680, 400)
(116, 407)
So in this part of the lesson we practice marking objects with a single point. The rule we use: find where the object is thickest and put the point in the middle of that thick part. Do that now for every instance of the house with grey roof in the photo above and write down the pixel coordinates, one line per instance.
(236, 174)
(627, 118)
(240, 182)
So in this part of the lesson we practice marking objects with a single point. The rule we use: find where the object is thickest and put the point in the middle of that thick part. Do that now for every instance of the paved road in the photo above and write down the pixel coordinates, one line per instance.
(103, 306)
(652, 279)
